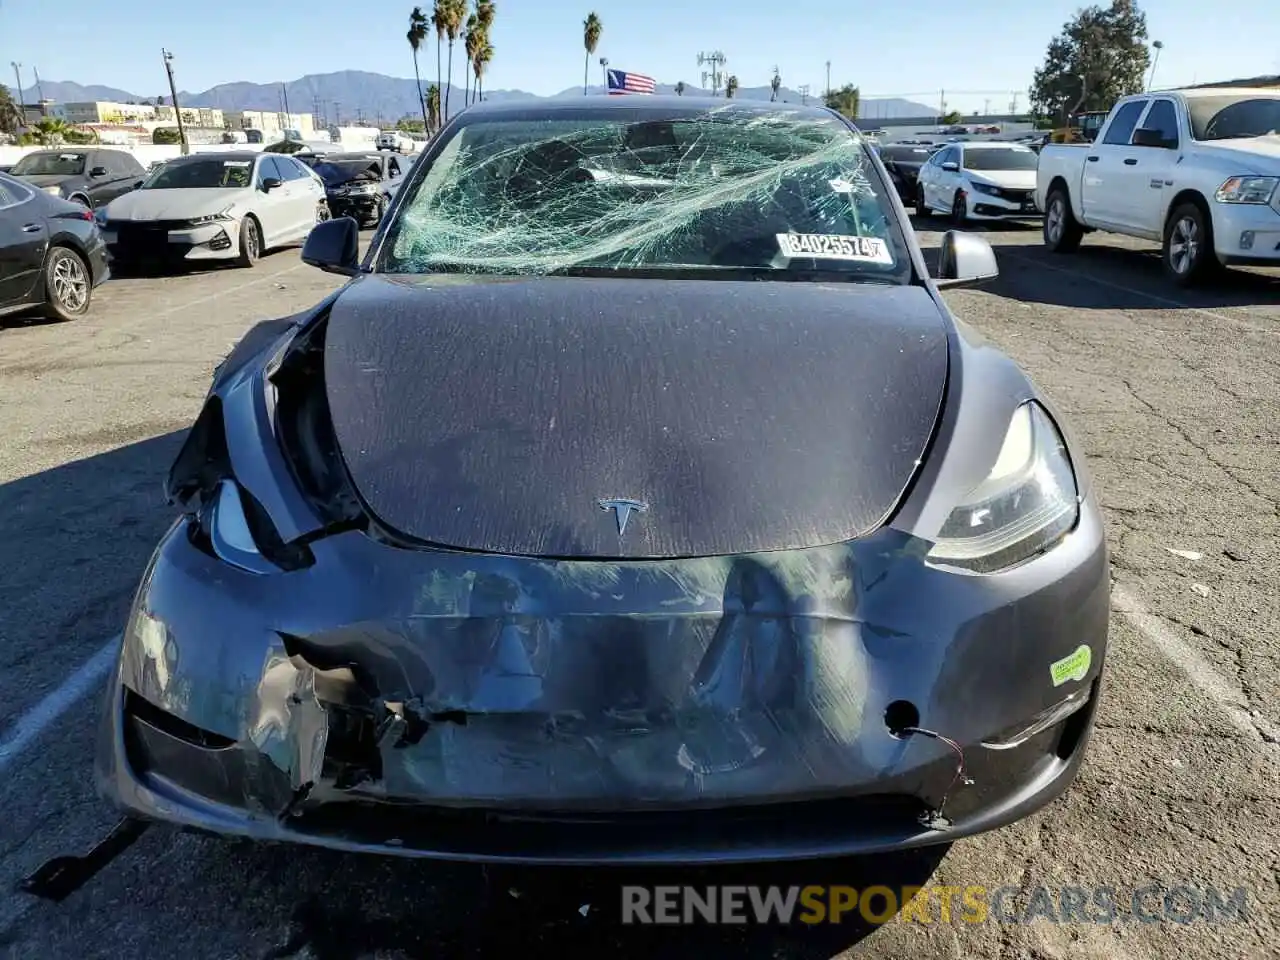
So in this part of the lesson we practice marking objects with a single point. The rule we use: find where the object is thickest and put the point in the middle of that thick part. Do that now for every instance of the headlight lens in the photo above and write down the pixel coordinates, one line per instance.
(229, 532)
(986, 188)
(219, 217)
(1247, 190)
(55, 190)
(362, 188)
(1028, 502)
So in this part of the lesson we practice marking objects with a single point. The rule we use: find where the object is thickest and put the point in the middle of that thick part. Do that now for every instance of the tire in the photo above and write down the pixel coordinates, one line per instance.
(250, 242)
(1187, 253)
(68, 287)
(322, 211)
(1062, 232)
(380, 212)
(959, 210)
(922, 208)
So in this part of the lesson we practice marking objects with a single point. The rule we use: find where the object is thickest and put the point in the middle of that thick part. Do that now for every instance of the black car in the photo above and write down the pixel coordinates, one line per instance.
(359, 185)
(903, 162)
(89, 176)
(50, 251)
(638, 499)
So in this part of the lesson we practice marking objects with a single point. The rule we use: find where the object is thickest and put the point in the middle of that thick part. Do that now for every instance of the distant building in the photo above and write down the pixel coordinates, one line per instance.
(104, 111)
(193, 116)
(268, 121)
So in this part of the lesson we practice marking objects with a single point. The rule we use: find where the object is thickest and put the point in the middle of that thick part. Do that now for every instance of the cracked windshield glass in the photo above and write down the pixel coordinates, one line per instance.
(725, 190)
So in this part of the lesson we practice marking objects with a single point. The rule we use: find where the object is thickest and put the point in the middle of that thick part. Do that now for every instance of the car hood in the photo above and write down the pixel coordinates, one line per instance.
(174, 204)
(43, 180)
(1251, 154)
(1005, 179)
(496, 415)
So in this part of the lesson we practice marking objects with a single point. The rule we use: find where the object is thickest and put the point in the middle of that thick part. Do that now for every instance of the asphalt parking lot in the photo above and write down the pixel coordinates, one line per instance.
(1175, 399)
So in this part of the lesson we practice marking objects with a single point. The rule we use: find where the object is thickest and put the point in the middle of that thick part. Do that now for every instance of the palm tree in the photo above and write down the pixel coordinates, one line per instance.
(591, 30)
(471, 43)
(433, 109)
(479, 49)
(438, 20)
(775, 84)
(416, 35)
(731, 86)
(481, 64)
(680, 89)
(455, 13)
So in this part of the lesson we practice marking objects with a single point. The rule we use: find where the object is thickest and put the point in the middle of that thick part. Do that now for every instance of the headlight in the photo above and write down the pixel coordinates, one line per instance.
(55, 190)
(219, 217)
(1027, 503)
(362, 188)
(229, 532)
(1247, 190)
(986, 188)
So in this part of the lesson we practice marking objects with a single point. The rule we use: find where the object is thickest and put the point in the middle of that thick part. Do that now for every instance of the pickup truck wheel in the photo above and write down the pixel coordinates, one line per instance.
(1188, 246)
(1062, 232)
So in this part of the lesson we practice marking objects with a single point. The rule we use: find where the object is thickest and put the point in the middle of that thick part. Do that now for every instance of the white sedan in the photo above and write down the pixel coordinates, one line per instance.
(214, 206)
(985, 180)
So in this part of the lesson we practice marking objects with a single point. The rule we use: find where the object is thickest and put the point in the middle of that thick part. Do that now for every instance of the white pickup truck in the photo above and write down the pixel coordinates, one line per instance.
(1197, 170)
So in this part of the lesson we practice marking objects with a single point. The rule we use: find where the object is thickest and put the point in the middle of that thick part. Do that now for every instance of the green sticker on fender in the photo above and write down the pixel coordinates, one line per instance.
(1074, 666)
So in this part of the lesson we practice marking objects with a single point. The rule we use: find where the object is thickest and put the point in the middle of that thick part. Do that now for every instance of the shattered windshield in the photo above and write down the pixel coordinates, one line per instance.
(1228, 118)
(778, 194)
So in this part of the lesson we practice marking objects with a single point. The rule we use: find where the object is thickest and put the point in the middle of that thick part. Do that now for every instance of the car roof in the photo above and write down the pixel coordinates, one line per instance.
(992, 144)
(1223, 92)
(219, 155)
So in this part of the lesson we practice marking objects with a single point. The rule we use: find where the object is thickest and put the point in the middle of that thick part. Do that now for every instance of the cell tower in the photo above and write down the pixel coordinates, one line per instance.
(716, 61)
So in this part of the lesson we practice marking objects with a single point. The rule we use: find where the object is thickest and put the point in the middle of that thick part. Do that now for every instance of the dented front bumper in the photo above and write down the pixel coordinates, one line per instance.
(454, 705)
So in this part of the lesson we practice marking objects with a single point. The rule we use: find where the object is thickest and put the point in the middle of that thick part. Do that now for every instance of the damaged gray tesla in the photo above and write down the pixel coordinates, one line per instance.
(638, 499)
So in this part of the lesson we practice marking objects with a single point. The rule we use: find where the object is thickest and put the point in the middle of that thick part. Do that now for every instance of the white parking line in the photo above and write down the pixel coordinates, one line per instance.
(1257, 730)
(1154, 298)
(228, 292)
(45, 713)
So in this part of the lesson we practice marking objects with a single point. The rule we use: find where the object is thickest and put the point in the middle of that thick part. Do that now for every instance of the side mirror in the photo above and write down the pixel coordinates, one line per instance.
(98, 172)
(138, 183)
(334, 246)
(951, 166)
(1147, 137)
(965, 259)
(270, 183)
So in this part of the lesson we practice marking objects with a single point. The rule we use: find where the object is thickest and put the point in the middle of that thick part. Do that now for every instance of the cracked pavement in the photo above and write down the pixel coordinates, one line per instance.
(1173, 397)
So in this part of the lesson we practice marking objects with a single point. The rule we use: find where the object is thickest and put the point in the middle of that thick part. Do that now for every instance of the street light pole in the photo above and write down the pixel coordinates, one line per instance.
(173, 93)
(1158, 45)
(828, 80)
(604, 72)
(18, 76)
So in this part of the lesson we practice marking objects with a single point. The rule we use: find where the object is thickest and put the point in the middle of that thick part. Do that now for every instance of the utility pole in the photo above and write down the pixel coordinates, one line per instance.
(337, 113)
(18, 76)
(1013, 105)
(284, 92)
(828, 78)
(942, 105)
(986, 108)
(715, 60)
(173, 92)
(804, 93)
(40, 89)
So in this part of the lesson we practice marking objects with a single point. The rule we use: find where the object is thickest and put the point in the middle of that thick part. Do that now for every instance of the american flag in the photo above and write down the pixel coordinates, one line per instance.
(621, 82)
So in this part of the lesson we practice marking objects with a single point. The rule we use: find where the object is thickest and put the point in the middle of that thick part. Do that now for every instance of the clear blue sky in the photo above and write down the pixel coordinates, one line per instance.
(988, 47)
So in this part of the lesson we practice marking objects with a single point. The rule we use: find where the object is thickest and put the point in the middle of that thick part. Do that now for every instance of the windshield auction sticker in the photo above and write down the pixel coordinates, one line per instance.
(826, 246)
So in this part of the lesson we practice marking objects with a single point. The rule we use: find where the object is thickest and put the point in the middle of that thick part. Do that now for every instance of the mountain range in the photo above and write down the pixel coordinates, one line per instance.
(356, 94)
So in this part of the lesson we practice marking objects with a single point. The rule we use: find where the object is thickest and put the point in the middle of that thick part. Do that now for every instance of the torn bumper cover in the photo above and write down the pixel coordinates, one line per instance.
(487, 707)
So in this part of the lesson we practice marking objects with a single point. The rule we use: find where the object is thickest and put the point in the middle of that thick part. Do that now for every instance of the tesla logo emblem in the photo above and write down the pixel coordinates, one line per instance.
(622, 510)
